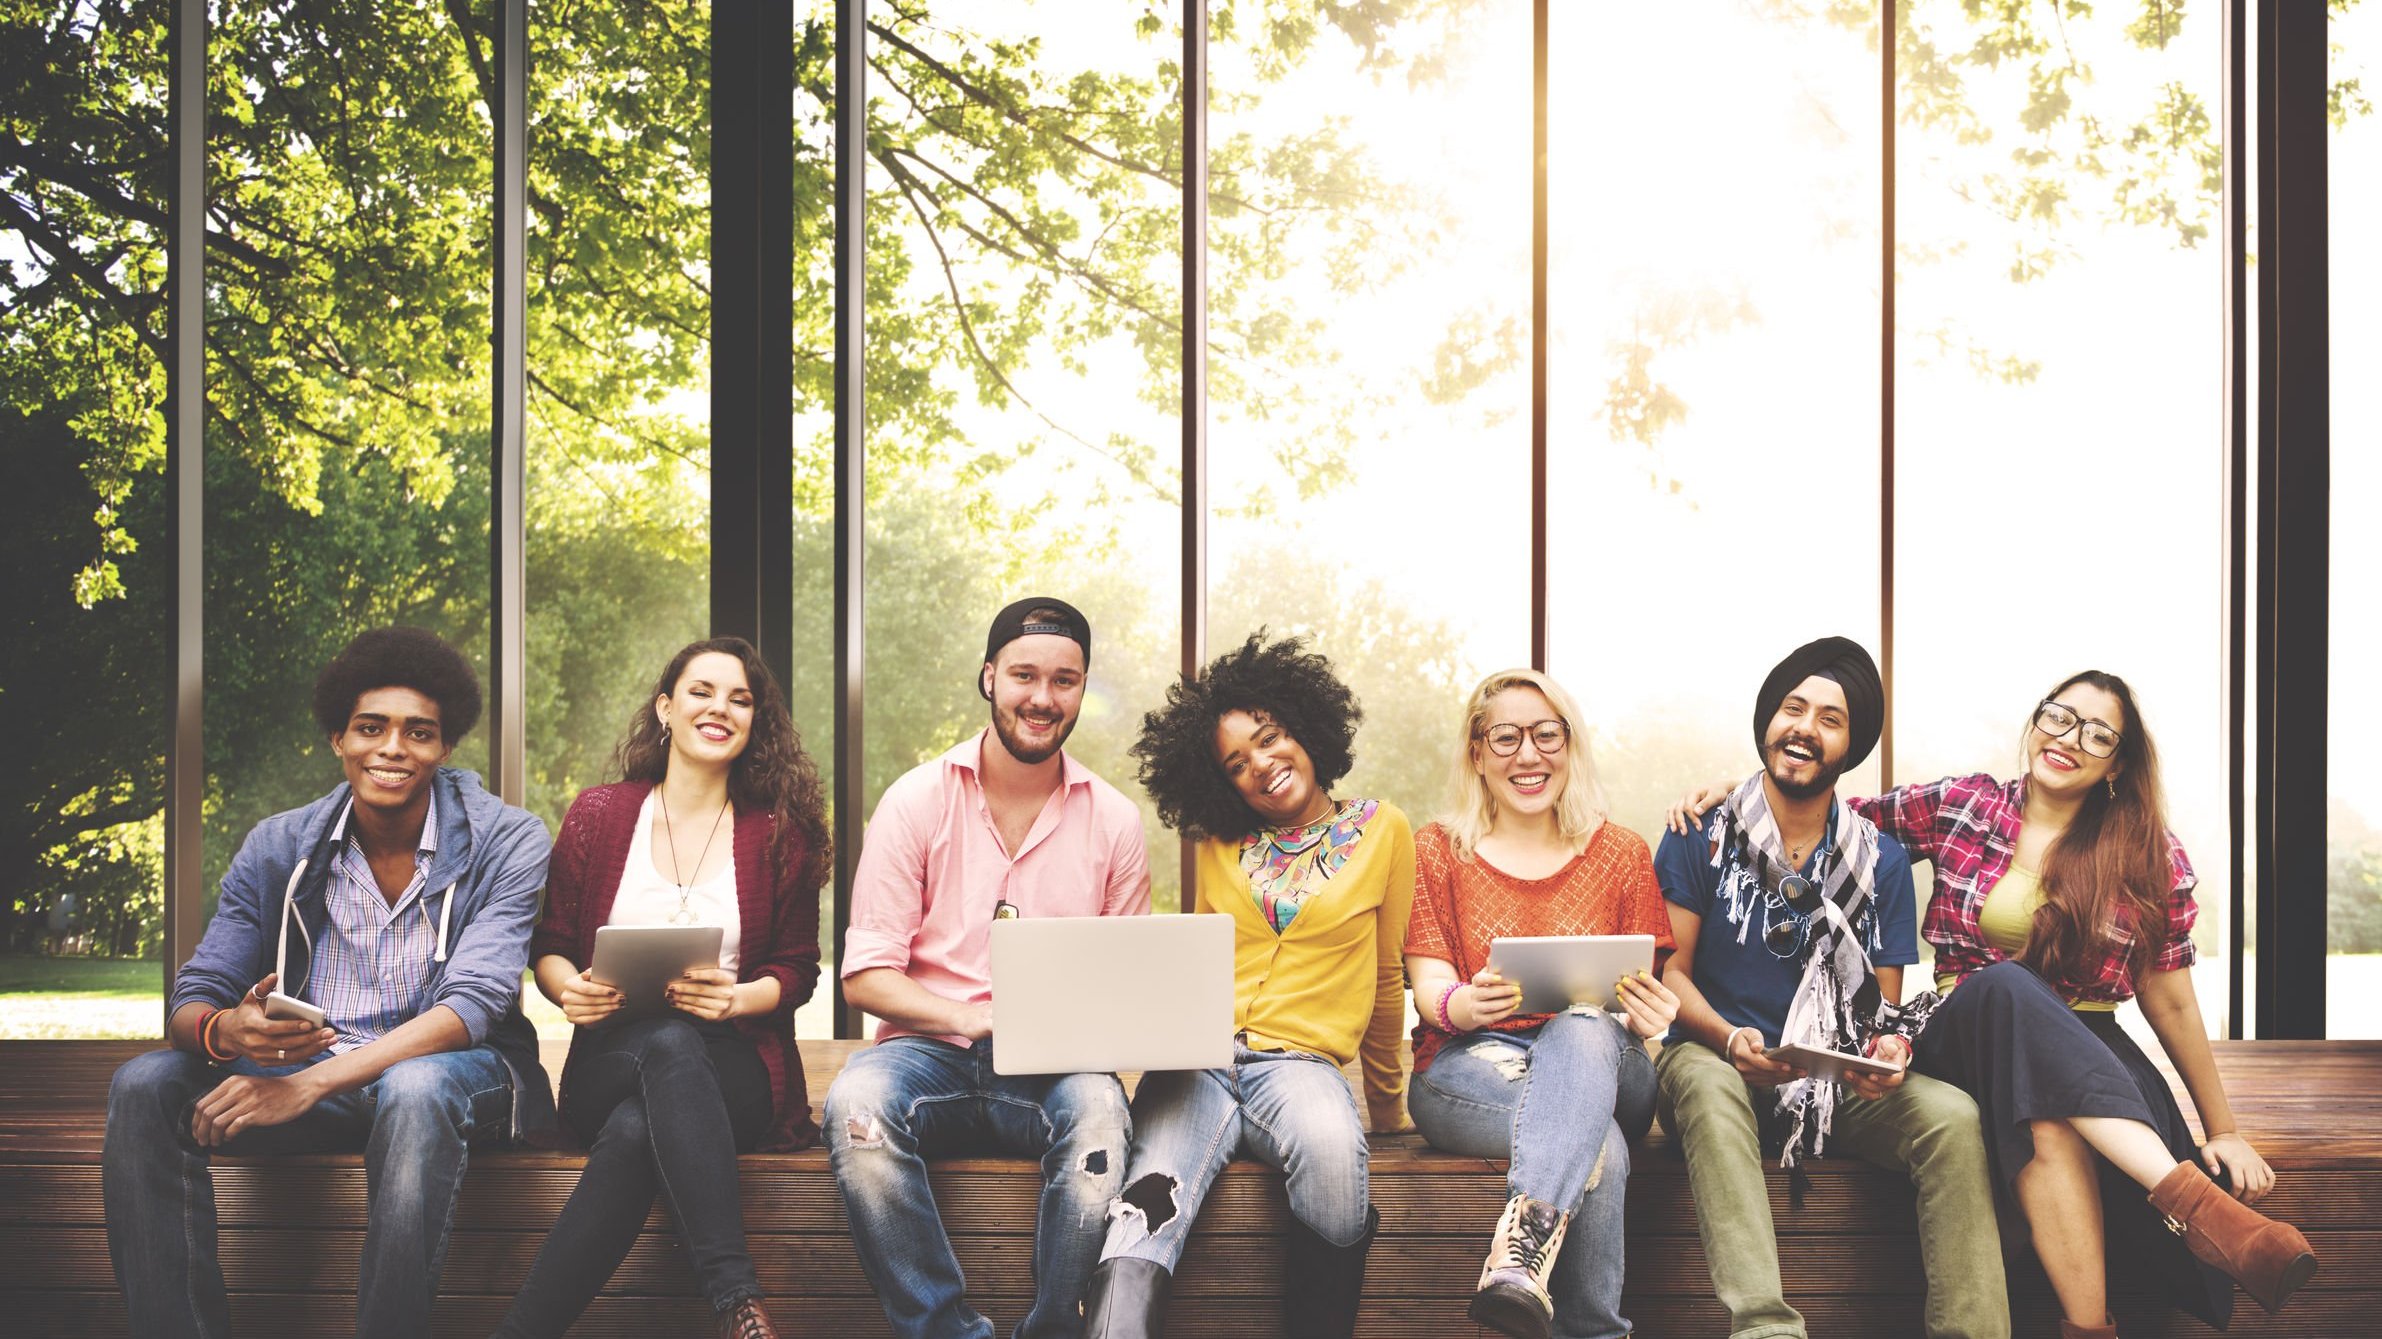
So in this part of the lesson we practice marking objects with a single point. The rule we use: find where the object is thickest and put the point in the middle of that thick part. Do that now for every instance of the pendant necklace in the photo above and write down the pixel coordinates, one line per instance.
(686, 887)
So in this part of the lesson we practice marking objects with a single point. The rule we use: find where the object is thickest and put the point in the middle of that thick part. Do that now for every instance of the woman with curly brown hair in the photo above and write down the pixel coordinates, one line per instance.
(1243, 758)
(718, 820)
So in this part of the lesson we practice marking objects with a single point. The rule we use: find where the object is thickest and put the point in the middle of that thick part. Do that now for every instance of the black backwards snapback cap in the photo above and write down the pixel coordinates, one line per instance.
(1060, 619)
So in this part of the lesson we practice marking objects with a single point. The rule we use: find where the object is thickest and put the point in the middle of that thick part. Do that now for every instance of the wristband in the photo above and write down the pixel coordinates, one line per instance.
(1728, 1046)
(1446, 993)
(206, 1035)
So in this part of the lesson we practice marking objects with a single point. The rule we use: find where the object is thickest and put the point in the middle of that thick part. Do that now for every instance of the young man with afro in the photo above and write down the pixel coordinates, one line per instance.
(399, 906)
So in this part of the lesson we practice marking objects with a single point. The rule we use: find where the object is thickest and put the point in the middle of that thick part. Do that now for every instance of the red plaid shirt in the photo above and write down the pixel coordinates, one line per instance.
(1967, 828)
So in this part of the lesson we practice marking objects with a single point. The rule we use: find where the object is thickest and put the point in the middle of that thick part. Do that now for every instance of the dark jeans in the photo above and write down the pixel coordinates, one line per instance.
(667, 1103)
(414, 1123)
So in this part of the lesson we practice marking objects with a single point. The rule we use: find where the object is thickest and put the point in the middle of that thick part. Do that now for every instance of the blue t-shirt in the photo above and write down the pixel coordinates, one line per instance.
(1746, 983)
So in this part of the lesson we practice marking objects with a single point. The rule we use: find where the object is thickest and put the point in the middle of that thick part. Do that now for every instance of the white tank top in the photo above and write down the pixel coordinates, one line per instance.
(648, 897)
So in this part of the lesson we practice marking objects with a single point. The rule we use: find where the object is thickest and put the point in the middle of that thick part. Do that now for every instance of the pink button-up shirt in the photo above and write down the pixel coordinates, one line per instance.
(933, 869)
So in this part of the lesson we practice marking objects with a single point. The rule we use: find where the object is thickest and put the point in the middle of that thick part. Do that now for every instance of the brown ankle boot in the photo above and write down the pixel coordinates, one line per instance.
(746, 1320)
(2069, 1329)
(2269, 1259)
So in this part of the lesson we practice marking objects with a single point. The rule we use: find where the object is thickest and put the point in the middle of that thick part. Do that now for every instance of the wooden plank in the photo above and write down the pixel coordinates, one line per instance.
(1217, 1267)
(100, 1316)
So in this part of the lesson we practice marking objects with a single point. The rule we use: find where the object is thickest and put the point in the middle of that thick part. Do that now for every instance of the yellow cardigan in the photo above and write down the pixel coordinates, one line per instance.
(1334, 983)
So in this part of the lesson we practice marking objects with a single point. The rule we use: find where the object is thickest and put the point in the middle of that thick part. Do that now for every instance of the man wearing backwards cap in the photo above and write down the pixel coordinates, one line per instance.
(1794, 918)
(1004, 824)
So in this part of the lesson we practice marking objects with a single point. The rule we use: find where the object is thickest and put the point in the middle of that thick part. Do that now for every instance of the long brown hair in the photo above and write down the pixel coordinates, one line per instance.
(2112, 862)
(773, 775)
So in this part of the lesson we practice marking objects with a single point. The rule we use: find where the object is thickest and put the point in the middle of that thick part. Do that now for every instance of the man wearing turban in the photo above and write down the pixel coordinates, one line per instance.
(1794, 918)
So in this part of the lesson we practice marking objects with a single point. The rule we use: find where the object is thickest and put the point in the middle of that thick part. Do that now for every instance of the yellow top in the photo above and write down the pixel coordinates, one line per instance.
(1334, 983)
(2007, 921)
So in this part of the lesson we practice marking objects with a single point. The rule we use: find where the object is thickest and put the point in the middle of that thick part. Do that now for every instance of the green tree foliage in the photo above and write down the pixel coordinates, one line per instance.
(1018, 209)
(2353, 886)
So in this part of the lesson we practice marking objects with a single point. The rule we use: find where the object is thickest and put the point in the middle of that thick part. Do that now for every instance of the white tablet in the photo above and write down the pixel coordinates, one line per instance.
(639, 960)
(1829, 1064)
(1556, 972)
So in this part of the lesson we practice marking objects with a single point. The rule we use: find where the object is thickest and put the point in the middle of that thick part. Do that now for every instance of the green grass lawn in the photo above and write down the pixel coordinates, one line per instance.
(81, 997)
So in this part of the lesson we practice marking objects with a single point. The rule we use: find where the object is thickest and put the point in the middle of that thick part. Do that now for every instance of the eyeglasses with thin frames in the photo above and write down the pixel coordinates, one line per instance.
(1546, 736)
(2056, 719)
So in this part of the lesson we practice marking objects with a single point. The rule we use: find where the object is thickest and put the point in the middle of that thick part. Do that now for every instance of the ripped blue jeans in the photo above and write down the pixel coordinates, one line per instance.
(1563, 1101)
(906, 1099)
(1286, 1108)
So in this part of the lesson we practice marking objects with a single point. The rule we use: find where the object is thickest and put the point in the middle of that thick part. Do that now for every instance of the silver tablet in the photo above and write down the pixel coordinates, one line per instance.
(1556, 972)
(1826, 1064)
(639, 960)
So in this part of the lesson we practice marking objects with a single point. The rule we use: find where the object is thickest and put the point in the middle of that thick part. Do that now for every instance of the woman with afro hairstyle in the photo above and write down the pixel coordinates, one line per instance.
(718, 820)
(1243, 759)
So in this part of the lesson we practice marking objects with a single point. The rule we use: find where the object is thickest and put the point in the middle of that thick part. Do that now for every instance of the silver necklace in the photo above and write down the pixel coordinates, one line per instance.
(686, 887)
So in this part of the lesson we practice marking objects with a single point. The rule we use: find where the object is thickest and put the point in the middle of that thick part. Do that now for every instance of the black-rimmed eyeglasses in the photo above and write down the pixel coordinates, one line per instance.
(2058, 718)
(1546, 736)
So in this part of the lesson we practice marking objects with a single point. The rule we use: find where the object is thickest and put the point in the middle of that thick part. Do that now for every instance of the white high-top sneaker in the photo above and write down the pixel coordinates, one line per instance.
(1512, 1296)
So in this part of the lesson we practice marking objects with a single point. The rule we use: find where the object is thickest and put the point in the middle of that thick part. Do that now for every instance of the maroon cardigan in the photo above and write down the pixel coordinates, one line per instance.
(778, 927)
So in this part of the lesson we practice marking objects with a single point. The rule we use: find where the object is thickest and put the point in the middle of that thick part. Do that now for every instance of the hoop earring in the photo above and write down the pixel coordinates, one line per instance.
(666, 741)
(2109, 781)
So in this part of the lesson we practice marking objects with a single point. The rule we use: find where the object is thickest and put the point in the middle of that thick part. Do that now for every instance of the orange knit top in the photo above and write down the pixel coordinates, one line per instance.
(1460, 906)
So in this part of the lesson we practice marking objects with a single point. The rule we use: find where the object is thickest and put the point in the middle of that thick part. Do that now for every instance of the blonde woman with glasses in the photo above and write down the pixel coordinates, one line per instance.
(1526, 850)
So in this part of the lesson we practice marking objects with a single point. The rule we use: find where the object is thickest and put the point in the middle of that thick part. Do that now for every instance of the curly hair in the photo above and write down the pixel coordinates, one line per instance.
(413, 658)
(1282, 680)
(773, 775)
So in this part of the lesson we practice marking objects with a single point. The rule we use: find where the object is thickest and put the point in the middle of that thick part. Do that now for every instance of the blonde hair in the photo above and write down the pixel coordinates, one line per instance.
(1472, 809)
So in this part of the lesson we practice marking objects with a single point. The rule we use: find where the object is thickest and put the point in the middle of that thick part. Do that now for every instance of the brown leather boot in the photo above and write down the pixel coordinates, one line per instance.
(746, 1320)
(2269, 1259)
(2069, 1329)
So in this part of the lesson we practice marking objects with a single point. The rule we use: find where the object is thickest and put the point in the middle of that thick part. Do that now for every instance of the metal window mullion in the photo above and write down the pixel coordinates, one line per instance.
(1887, 35)
(1195, 369)
(508, 385)
(1538, 337)
(851, 460)
(2238, 596)
(185, 456)
(2294, 515)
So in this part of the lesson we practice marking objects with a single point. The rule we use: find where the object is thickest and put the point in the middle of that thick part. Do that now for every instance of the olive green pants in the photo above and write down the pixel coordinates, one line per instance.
(1924, 1129)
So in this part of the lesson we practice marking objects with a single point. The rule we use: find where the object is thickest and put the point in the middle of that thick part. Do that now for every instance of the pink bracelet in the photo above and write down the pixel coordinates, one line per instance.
(1447, 1024)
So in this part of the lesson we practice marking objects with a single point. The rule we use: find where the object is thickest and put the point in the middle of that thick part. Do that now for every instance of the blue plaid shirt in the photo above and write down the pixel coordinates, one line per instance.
(372, 968)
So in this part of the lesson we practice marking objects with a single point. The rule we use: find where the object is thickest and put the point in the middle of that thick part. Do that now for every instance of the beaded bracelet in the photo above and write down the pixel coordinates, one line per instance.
(1446, 993)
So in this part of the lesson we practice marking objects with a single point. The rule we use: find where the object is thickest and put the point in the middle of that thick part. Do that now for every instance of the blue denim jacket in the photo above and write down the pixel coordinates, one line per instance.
(491, 863)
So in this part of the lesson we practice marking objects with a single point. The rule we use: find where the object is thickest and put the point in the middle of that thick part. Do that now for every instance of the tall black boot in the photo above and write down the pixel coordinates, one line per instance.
(1324, 1282)
(1124, 1299)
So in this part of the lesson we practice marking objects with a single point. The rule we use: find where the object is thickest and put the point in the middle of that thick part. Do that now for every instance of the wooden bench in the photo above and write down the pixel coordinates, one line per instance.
(1851, 1261)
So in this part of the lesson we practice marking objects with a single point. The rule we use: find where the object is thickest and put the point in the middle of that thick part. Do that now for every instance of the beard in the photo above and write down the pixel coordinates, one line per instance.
(1006, 727)
(1823, 780)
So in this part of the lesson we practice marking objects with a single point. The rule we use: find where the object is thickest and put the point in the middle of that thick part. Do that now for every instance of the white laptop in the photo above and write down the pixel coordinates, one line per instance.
(1093, 994)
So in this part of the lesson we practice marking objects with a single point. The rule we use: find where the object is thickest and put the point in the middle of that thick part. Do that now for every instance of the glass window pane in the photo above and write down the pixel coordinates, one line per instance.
(83, 498)
(619, 359)
(2060, 439)
(349, 186)
(1024, 326)
(1369, 271)
(1712, 407)
(2353, 972)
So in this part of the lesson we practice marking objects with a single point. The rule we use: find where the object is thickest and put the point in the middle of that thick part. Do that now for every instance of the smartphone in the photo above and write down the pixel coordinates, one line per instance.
(278, 1005)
